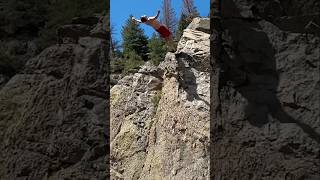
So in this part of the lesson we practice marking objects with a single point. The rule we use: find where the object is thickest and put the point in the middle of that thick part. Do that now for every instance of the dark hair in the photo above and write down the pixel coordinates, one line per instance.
(143, 19)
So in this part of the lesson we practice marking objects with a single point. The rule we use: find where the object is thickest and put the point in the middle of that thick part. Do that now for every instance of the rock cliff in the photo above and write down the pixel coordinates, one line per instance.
(265, 107)
(53, 112)
(262, 97)
(160, 115)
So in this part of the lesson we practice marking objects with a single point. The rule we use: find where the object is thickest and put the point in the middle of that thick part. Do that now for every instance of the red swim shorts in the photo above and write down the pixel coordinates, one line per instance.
(164, 31)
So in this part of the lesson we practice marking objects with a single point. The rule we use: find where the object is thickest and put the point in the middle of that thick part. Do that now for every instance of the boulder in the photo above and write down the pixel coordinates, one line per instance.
(53, 113)
(200, 24)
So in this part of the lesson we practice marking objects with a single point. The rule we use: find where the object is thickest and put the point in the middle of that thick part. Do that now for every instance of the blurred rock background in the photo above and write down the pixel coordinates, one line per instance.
(54, 89)
(265, 91)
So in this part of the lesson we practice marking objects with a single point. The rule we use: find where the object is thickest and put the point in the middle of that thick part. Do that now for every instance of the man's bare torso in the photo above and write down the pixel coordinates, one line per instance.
(154, 23)
(151, 21)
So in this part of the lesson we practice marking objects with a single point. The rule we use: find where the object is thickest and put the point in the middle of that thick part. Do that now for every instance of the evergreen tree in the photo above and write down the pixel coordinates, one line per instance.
(116, 51)
(157, 49)
(134, 40)
(169, 16)
(115, 46)
(189, 11)
(182, 24)
(134, 61)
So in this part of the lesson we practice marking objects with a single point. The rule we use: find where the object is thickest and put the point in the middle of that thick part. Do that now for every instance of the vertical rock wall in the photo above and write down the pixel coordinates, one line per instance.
(160, 115)
(267, 124)
(53, 113)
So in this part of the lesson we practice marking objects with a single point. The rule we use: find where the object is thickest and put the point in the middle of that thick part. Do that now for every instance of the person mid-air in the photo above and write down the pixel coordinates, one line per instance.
(160, 28)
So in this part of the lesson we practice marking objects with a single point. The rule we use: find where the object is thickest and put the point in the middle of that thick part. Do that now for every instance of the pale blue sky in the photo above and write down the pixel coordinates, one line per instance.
(121, 9)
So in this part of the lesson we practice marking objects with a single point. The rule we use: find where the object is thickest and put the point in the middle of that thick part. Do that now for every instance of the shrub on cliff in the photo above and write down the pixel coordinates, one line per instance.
(133, 61)
(157, 49)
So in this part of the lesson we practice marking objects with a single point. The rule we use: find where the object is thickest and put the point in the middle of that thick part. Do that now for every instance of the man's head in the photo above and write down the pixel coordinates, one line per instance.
(144, 18)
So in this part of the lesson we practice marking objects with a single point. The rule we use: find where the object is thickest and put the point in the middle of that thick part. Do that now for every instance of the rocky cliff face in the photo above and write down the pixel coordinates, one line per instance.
(267, 122)
(160, 115)
(52, 113)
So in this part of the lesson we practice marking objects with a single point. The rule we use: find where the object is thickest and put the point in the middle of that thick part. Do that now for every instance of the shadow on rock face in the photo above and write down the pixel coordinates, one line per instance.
(250, 67)
(187, 78)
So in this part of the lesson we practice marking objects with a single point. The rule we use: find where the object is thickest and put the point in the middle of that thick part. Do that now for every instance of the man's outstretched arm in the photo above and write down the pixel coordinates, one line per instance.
(155, 17)
(136, 20)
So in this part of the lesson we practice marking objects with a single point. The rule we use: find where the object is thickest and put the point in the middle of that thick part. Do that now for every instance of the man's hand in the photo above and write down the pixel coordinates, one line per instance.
(155, 17)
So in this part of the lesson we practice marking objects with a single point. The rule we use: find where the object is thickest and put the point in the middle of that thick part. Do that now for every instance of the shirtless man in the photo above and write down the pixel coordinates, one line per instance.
(160, 28)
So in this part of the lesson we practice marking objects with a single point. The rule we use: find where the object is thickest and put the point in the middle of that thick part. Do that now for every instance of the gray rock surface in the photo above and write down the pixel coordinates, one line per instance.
(267, 124)
(200, 24)
(94, 26)
(160, 116)
(53, 114)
